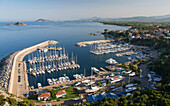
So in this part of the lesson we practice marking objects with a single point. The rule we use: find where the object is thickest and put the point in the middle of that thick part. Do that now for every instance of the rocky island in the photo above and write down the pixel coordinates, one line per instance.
(17, 23)
(44, 20)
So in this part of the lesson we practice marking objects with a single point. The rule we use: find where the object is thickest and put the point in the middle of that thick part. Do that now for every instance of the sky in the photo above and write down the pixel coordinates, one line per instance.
(31, 10)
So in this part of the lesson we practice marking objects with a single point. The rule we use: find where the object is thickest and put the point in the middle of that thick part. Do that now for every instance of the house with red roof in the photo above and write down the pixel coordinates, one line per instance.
(44, 96)
(61, 93)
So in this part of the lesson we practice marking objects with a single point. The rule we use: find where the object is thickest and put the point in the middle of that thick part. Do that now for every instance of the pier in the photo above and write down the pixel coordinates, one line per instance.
(17, 87)
(85, 43)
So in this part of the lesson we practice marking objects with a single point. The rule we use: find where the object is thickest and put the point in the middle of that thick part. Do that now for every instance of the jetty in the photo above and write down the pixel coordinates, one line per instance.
(18, 84)
(54, 48)
(85, 43)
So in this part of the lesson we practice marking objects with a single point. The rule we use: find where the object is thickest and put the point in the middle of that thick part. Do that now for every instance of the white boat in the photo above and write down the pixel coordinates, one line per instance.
(37, 73)
(95, 70)
(34, 74)
(111, 61)
(149, 76)
(93, 89)
(116, 80)
(49, 71)
(130, 89)
(39, 85)
(43, 72)
(129, 85)
(78, 83)
(132, 74)
(50, 82)
(54, 81)
(111, 74)
(129, 58)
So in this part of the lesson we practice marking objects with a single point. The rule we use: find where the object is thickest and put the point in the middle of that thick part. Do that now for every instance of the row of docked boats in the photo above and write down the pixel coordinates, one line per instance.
(78, 76)
(130, 87)
(38, 68)
(107, 48)
(126, 53)
(47, 55)
(59, 80)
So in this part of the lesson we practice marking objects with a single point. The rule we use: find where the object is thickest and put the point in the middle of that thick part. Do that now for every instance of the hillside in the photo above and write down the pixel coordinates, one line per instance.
(163, 18)
(10, 99)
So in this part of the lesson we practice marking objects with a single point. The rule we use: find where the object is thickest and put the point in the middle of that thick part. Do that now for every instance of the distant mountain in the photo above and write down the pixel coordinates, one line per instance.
(164, 18)
(44, 20)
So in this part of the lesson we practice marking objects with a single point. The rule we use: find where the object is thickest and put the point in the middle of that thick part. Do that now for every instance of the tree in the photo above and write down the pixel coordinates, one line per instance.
(12, 101)
(139, 89)
(130, 66)
(2, 100)
(108, 81)
(123, 84)
(106, 30)
(135, 67)
(98, 83)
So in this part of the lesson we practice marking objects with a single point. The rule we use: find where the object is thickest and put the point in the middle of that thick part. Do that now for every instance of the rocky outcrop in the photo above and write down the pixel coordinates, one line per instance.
(5, 71)
(17, 23)
(44, 20)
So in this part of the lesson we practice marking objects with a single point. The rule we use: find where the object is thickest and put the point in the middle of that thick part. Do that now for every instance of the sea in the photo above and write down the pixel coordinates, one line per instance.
(15, 38)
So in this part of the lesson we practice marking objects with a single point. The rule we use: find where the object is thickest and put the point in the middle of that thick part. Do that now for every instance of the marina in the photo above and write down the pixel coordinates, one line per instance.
(106, 48)
(49, 61)
(34, 68)
(85, 43)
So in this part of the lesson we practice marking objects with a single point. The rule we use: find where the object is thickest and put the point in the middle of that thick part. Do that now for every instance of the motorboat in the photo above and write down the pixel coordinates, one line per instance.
(111, 61)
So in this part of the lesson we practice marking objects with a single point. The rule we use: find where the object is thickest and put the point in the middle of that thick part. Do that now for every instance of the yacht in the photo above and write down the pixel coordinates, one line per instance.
(39, 85)
(130, 58)
(50, 81)
(92, 89)
(95, 70)
(111, 61)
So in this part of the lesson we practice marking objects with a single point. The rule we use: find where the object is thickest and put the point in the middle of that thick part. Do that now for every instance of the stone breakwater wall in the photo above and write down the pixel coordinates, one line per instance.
(19, 58)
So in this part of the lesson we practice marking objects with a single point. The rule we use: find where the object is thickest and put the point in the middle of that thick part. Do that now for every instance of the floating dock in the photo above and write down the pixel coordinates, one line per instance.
(85, 43)
(16, 87)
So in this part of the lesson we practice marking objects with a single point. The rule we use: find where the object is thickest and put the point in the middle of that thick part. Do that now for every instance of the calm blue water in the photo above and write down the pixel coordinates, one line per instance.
(14, 38)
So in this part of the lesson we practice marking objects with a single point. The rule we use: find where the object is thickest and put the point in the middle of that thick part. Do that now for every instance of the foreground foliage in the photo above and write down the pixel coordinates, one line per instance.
(14, 102)
(139, 98)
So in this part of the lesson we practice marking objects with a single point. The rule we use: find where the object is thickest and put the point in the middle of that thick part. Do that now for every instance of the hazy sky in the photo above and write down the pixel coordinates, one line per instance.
(27, 10)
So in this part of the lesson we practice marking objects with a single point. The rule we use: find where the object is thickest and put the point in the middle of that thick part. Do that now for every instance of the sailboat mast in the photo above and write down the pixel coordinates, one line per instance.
(84, 72)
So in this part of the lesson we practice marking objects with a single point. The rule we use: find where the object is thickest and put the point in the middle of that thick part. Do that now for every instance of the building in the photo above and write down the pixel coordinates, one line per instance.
(44, 96)
(61, 93)
(95, 98)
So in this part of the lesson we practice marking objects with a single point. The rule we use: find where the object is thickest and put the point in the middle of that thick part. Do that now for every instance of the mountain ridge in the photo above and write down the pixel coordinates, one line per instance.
(162, 18)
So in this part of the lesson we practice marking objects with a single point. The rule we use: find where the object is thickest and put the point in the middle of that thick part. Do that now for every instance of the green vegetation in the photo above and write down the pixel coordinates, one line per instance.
(99, 84)
(159, 43)
(12, 102)
(160, 66)
(139, 98)
(132, 67)
(141, 25)
(108, 81)
(70, 91)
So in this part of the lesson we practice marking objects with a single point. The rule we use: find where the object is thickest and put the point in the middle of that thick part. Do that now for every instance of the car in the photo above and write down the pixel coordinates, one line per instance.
(104, 84)
(19, 70)
(19, 78)
(62, 86)
(113, 87)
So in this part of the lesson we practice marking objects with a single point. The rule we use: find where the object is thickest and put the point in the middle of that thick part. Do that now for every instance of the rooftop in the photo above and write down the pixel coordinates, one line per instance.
(47, 94)
(61, 92)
